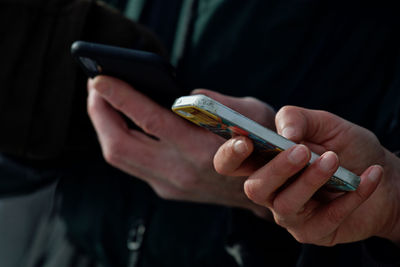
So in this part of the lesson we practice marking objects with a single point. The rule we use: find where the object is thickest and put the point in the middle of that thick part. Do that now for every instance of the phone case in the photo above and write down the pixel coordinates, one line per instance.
(145, 71)
(226, 122)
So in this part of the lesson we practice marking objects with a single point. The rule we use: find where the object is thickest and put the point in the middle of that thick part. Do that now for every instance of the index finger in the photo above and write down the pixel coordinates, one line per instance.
(117, 141)
(144, 112)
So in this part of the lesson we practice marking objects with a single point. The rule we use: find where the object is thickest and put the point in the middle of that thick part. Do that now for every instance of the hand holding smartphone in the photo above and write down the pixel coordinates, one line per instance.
(155, 77)
(226, 122)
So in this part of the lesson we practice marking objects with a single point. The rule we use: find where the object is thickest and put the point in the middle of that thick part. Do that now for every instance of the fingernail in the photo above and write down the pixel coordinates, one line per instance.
(298, 154)
(240, 146)
(288, 132)
(374, 174)
(328, 161)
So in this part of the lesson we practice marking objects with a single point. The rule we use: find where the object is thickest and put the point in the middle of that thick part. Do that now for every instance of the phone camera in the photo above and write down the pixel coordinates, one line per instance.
(91, 65)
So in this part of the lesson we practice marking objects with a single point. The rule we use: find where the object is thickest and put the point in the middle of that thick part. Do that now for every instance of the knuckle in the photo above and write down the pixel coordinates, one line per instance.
(302, 238)
(283, 208)
(252, 192)
(307, 239)
(335, 215)
(113, 152)
(163, 194)
(119, 103)
(151, 124)
(360, 195)
(330, 243)
(167, 193)
(314, 181)
(281, 221)
(275, 169)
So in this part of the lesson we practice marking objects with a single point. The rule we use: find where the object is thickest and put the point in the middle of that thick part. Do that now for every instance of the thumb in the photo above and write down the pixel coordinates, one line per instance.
(300, 124)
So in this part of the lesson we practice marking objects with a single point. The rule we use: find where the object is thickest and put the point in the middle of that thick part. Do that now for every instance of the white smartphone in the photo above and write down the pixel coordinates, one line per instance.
(221, 120)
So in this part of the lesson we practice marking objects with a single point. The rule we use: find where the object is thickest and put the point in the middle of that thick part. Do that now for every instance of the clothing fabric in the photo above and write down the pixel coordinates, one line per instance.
(43, 93)
(46, 128)
(334, 55)
(31, 226)
(337, 56)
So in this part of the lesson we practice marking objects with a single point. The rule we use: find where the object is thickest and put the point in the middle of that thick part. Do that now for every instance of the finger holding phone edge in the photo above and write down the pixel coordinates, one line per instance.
(144, 112)
(294, 200)
(113, 131)
(330, 217)
(261, 187)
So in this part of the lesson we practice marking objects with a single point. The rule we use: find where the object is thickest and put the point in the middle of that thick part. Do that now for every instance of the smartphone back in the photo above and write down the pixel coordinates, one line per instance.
(145, 71)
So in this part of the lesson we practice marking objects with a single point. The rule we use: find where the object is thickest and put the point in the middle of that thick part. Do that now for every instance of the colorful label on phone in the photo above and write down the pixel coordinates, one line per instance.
(225, 129)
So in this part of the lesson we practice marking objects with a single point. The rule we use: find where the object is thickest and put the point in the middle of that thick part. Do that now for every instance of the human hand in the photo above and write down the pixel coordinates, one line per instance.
(172, 155)
(309, 212)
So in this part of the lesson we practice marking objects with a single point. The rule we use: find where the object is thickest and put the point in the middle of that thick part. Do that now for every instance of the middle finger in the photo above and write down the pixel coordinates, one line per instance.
(262, 185)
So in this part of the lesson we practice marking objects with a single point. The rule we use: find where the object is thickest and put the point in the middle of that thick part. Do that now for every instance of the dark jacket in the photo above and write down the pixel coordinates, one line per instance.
(43, 95)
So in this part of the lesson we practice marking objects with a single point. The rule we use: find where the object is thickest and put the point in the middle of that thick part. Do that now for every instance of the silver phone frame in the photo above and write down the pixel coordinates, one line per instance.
(342, 179)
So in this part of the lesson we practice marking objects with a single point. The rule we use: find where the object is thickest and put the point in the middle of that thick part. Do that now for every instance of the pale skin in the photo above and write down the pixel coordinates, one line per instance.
(178, 163)
(304, 207)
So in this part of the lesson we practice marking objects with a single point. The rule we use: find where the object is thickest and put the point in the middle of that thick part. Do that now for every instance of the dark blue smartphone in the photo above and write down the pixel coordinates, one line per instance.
(145, 71)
